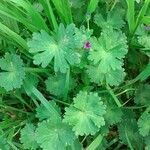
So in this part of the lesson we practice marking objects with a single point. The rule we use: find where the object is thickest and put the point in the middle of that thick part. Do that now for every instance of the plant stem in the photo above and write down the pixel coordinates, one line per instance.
(135, 107)
(14, 109)
(113, 96)
(112, 142)
(83, 139)
(113, 5)
(59, 101)
(23, 101)
(131, 89)
(126, 102)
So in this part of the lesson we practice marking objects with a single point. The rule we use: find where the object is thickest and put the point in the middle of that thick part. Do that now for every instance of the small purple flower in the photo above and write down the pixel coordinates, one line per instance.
(87, 45)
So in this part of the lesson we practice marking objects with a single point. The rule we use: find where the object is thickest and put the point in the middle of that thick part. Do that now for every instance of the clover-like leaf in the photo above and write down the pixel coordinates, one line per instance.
(128, 130)
(142, 95)
(107, 55)
(42, 113)
(55, 83)
(61, 48)
(114, 19)
(109, 50)
(144, 124)
(12, 72)
(3, 144)
(112, 77)
(86, 113)
(144, 41)
(147, 142)
(53, 135)
(113, 113)
(28, 137)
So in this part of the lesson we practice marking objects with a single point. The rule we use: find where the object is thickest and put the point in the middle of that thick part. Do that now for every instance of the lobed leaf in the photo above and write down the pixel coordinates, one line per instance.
(28, 137)
(42, 113)
(86, 113)
(144, 124)
(107, 55)
(12, 72)
(53, 135)
(46, 48)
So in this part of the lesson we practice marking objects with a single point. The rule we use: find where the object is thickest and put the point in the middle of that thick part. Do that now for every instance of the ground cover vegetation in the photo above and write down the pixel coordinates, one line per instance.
(74, 74)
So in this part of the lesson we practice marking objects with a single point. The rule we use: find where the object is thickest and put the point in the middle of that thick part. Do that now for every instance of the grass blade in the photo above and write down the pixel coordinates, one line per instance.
(64, 10)
(146, 20)
(44, 101)
(13, 36)
(129, 143)
(110, 91)
(13, 14)
(131, 15)
(142, 13)
(26, 9)
(66, 88)
(97, 141)
(49, 12)
(92, 6)
(144, 74)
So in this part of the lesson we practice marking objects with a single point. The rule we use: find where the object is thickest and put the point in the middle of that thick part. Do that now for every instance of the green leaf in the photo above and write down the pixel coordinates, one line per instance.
(76, 145)
(32, 91)
(131, 15)
(11, 35)
(113, 113)
(82, 35)
(33, 80)
(42, 113)
(52, 135)
(144, 41)
(54, 84)
(95, 144)
(49, 13)
(28, 137)
(28, 12)
(12, 73)
(86, 113)
(142, 95)
(92, 6)
(112, 77)
(146, 20)
(114, 19)
(142, 13)
(128, 130)
(77, 3)
(62, 49)
(107, 55)
(64, 10)
(147, 142)
(144, 74)
(3, 144)
(144, 124)
(109, 50)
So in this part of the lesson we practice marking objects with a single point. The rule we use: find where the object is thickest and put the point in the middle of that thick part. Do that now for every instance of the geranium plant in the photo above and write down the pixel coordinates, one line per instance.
(74, 74)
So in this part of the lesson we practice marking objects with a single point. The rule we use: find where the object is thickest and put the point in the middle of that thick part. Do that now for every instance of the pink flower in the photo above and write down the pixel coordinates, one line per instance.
(87, 45)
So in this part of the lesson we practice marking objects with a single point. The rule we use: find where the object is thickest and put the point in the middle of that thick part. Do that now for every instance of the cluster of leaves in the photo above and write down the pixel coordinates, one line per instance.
(74, 82)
